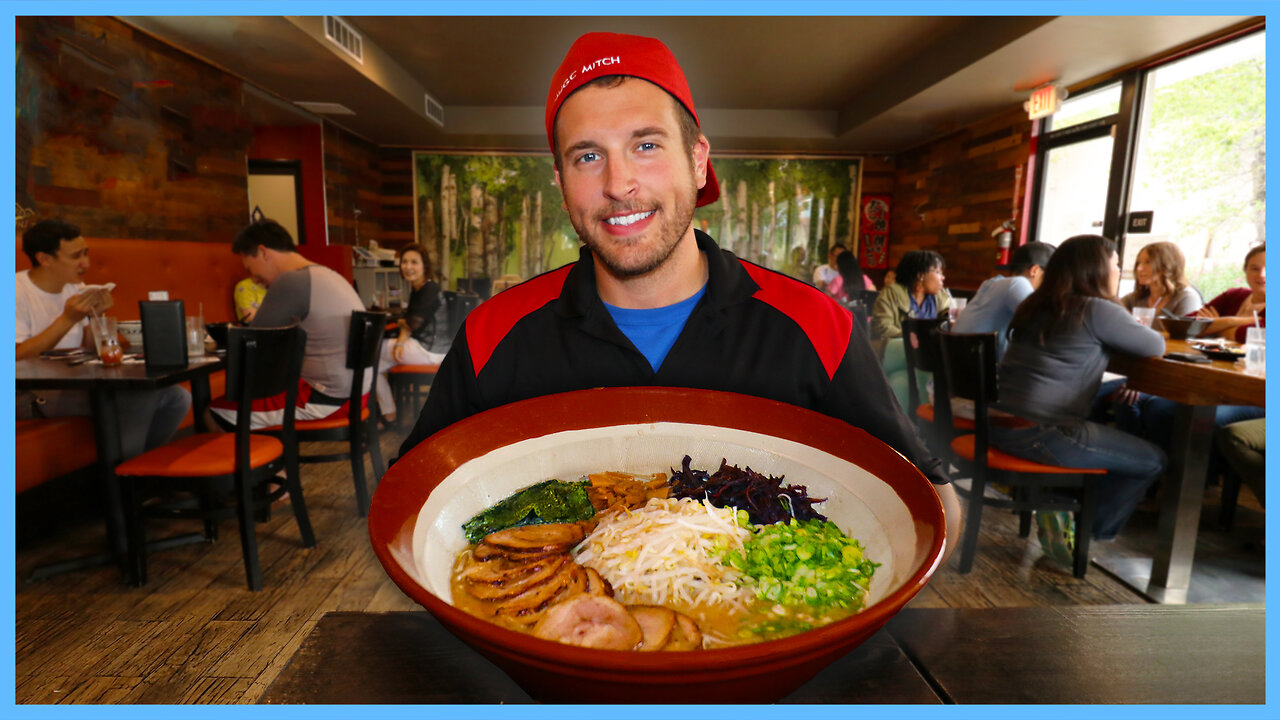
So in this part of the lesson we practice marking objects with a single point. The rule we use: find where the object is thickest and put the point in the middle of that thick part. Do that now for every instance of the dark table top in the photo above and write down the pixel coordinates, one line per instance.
(1123, 653)
(59, 374)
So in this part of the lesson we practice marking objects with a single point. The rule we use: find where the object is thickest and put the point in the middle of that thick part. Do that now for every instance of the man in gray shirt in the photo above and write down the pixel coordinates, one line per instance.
(992, 307)
(321, 302)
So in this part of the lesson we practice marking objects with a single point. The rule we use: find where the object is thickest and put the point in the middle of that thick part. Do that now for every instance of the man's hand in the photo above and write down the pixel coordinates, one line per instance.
(248, 315)
(79, 307)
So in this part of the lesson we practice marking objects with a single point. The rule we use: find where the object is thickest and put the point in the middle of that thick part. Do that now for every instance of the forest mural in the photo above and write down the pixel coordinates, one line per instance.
(493, 214)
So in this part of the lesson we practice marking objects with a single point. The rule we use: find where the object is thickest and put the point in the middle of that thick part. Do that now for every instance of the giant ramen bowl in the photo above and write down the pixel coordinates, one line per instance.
(872, 493)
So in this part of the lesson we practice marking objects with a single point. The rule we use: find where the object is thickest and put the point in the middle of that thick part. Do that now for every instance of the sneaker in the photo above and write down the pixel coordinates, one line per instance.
(1057, 533)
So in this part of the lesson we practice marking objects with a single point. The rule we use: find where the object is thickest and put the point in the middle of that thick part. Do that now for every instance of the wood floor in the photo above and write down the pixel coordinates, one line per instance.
(196, 634)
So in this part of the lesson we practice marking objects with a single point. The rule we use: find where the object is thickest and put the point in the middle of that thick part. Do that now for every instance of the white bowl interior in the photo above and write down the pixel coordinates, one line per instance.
(861, 504)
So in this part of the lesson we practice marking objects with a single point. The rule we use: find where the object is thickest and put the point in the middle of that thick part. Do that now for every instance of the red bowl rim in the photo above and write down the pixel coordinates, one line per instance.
(398, 501)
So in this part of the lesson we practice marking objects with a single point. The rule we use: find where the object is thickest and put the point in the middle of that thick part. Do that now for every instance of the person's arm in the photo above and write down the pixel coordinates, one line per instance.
(885, 322)
(1186, 302)
(859, 394)
(1120, 331)
(76, 309)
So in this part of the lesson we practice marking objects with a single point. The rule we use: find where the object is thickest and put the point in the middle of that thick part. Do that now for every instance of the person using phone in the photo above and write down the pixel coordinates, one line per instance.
(53, 309)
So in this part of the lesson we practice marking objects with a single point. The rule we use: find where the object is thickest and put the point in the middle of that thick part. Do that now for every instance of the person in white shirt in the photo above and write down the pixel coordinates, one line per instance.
(824, 274)
(53, 307)
(992, 307)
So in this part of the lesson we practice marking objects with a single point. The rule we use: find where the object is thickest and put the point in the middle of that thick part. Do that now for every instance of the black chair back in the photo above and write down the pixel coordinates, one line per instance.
(364, 351)
(255, 371)
(920, 346)
(970, 362)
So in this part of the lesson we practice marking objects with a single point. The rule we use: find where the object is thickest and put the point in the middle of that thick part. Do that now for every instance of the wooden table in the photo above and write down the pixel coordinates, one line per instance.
(1109, 654)
(102, 384)
(1198, 389)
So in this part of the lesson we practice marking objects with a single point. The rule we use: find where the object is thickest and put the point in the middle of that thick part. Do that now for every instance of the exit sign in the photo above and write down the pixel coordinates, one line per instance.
(1044, 102)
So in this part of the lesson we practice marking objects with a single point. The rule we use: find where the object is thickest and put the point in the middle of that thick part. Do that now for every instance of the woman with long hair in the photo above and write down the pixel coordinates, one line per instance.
(1234, 310)
(424, 334)
(1159, 274)
(1062, 337)
(849, 280)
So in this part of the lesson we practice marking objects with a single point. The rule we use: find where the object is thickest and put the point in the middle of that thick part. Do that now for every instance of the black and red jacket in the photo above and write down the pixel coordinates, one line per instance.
(755, 332)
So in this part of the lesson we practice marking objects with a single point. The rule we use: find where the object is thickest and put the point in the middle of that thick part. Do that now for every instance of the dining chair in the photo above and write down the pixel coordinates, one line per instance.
(409, 386)
(969, 363)
(924, 354)
(261, 363)
(358, 428)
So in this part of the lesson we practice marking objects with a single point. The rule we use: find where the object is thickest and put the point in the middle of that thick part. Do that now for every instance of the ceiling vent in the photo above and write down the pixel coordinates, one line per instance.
(435, 110)
(338, 32)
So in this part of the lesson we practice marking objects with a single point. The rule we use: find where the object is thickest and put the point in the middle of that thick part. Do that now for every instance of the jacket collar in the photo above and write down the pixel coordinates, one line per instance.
(727, 284)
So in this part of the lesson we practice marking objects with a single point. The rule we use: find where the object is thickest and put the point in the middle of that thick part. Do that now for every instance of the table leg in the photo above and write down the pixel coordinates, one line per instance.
(1182, 497)
(200, 401)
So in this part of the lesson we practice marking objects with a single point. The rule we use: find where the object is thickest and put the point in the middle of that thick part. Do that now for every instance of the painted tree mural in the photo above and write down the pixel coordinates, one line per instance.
(489, 215)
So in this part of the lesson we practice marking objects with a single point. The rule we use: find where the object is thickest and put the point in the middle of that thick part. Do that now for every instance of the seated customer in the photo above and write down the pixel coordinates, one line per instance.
(992, 307)
(52, 313)
(424, 330)
(321, 302)
(849, 281)
(823, 275)
(1233, 311)
(1150, 416)
(1244, 446)
(1061, 339)
(248, 297)
(916, 292)
(1161, 283)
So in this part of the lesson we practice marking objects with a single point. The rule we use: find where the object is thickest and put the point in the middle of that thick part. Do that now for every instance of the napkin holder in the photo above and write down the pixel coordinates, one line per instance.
(164, 334)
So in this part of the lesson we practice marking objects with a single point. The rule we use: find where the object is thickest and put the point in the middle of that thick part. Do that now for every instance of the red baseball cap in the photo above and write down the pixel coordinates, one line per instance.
(600, 54)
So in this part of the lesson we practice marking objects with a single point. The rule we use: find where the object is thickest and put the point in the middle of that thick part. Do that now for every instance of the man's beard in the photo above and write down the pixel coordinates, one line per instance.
(670, 228)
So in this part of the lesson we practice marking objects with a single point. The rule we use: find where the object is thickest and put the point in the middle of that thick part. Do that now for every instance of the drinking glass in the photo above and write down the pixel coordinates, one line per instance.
(957, 304)
(1145, 315)
(102, 327)
(195, 335)
(1255, 351)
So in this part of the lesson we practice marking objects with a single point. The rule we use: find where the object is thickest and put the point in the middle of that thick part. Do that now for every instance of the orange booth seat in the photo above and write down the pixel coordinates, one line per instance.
(201, 274)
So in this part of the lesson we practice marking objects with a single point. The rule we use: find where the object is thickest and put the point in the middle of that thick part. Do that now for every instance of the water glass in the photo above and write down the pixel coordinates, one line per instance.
(957, 304)
(1255, 351)
(103, 327)
(1145, 315)
(195, 335)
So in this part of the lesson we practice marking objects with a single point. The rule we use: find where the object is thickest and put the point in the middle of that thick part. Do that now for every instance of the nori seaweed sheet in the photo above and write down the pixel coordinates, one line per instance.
(550, 501)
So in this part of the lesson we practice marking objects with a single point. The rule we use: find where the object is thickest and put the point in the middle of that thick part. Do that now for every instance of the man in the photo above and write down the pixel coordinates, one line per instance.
(824, 274)
(651, 300)
(315, 297)
(992, 307)
(53, 308)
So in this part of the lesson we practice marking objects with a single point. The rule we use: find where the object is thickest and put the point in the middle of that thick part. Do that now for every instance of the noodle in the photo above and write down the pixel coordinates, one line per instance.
(669, 551)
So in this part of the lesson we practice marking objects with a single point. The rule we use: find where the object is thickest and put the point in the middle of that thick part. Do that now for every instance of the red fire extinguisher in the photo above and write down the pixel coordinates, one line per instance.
(1004, 242)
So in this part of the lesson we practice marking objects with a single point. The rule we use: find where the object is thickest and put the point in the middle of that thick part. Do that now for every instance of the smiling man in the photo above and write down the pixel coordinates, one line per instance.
(651, 300)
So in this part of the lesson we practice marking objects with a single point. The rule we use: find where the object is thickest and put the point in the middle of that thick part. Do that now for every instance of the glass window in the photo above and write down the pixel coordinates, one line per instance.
(1200, 164)
(1074, 199)
(1092, 105)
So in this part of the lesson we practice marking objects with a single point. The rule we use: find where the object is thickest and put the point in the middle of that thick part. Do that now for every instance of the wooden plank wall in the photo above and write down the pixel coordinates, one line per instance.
(352, 181)
(398, 205)
(125, 136)
(951, 193)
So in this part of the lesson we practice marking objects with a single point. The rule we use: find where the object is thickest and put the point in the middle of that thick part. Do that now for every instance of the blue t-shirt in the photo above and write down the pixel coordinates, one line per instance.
(654, 330)
(926, 310)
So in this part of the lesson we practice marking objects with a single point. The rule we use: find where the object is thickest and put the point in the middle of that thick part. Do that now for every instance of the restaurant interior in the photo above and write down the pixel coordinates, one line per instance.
(162, 137)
